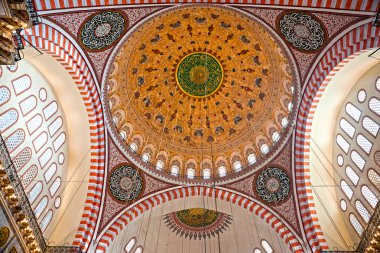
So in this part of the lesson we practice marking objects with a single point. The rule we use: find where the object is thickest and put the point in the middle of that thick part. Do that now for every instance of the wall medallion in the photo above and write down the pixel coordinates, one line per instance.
(302, 31)
(273, 185)
(102, 30)
(125, 183)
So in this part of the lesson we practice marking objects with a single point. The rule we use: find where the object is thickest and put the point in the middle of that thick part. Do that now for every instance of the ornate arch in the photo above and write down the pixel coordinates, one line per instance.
(345, 5)
(177, 193)
(361, 38)
(57, 45)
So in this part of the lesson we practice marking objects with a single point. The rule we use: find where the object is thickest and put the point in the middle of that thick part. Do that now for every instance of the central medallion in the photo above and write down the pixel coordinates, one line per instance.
(199, 74)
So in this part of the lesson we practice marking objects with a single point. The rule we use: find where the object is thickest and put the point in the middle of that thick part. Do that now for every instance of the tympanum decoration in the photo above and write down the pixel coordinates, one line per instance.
(197, 223)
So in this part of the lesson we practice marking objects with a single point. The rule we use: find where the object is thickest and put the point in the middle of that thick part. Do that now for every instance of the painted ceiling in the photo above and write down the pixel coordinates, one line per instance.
(200, 87)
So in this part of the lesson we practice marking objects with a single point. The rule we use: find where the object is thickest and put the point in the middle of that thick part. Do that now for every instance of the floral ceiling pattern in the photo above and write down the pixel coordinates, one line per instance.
(205, 100)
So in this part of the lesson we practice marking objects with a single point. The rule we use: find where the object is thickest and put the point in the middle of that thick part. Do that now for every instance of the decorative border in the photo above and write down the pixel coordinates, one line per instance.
(132, 213)
(360, 38)
(366, 5)
(57, 45)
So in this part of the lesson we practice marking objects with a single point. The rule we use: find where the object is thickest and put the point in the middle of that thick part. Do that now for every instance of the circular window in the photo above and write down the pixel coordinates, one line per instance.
(42, 94)
(340, 160)
(57, 202)
(362, 96)
(61, 158)
(343, 205)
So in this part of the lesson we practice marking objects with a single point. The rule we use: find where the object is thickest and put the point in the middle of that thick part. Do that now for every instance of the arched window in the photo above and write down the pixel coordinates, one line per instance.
(374, 177)
(358, 160)
(21, 84)
(159, 165)
(266, 246)
(40, 141)
(55, 186)
(369, 196)
(50, 172)
(7, 119)
(133, 146)
(237, 166)
(257, 250)
(50, 110)
(190, 173)
(290, 106)
(5, 95)
(130, 245)
(115, 120)
(146, 157)
(351, 174)
(364, 143)
(353, 111)
(40, 207)
(378, 84)
(343, 144)
(371, 126)
(222, 171)
(356, 224)
(362, 211)
(174, 170)
(139, 249)
(46, 220)
(123, 135)
(251, 159)
(55, 126)
(264, 148)
(206, 173)
(27, 105)
(346, 189)
(347, 127)
(374, 105)
(45, 157)
(34, 123)
(57, 143)
(35, 192)
(275, 136)
(284, 122)
(15, 139)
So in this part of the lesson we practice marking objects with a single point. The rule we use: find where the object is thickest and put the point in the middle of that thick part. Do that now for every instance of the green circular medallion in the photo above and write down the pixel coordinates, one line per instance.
(199, 74)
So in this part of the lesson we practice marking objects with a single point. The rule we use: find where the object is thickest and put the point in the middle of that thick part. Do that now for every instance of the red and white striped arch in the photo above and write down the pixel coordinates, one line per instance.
(54, 43)
(361, 38)
(223, 194)
(354, 5)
